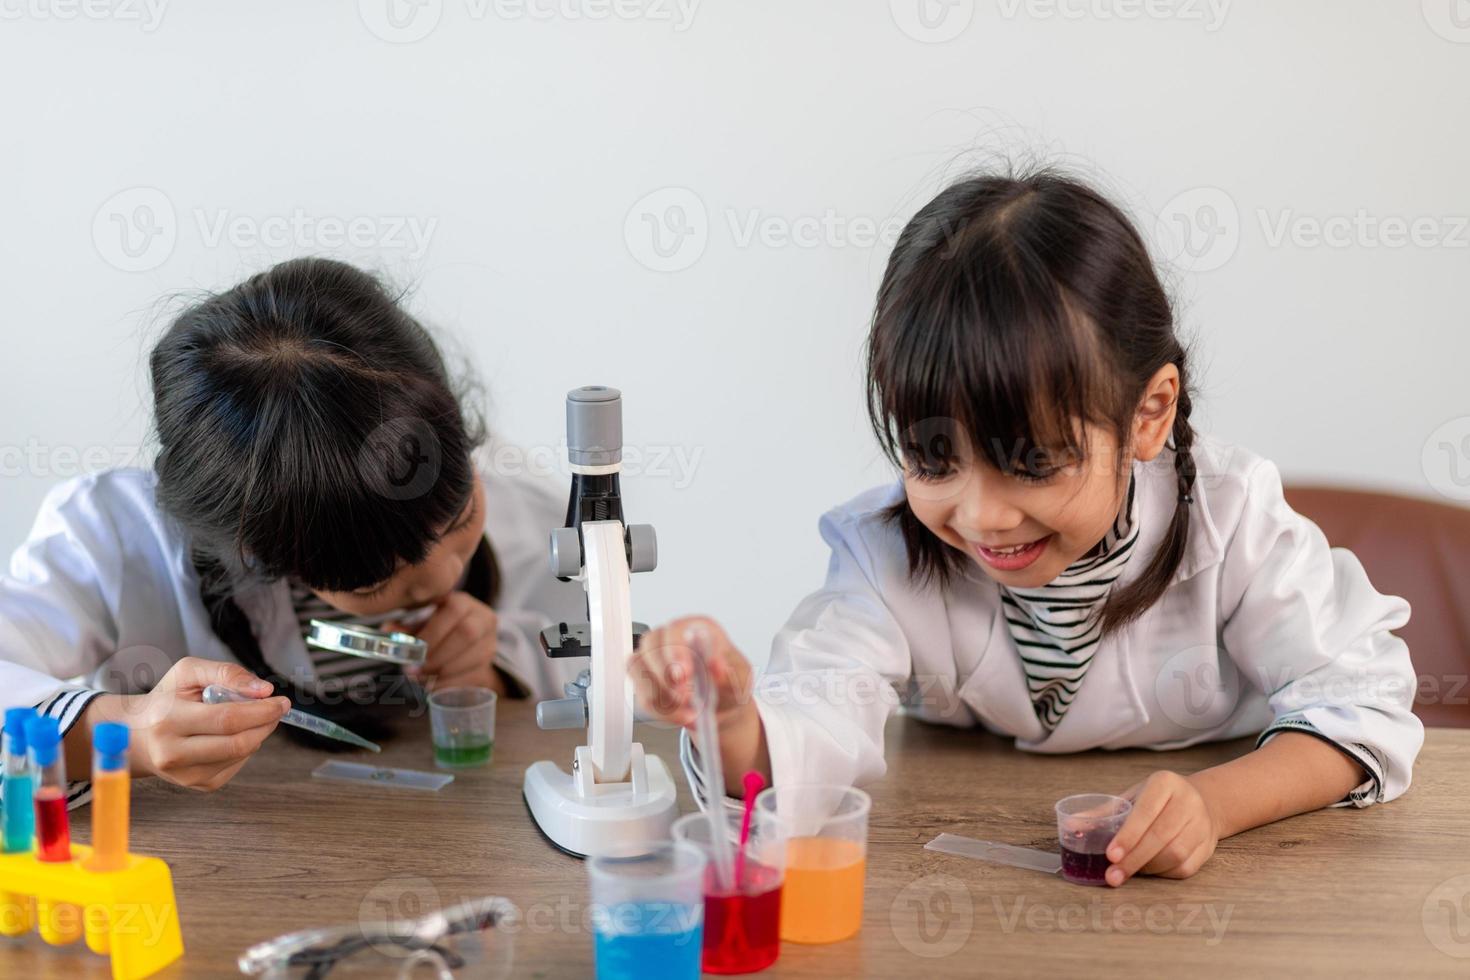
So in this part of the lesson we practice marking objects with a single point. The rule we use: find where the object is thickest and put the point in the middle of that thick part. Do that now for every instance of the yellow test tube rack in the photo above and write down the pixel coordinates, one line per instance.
(129, 913)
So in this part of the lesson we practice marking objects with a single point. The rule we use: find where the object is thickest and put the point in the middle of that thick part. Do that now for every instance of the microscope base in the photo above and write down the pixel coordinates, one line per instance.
(586, 818)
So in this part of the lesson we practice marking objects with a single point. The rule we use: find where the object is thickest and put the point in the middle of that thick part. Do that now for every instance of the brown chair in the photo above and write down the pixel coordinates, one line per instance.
(1418, 549)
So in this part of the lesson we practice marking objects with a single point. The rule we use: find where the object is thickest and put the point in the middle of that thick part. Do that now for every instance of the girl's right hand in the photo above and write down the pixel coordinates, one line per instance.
(662, 669)
(178, 737)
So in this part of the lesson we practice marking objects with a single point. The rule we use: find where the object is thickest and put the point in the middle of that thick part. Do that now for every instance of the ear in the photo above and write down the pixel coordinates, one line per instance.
(1154, 421)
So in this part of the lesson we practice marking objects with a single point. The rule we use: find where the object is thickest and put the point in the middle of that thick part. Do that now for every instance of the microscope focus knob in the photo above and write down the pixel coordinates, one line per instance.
(642, 548)
(566, 552)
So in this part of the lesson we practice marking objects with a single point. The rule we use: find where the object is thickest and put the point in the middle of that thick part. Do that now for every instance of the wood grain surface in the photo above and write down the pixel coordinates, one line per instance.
(1378, 892)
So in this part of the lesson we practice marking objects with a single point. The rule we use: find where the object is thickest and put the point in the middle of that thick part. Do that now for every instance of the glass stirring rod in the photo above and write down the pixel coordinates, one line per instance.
(216, 694)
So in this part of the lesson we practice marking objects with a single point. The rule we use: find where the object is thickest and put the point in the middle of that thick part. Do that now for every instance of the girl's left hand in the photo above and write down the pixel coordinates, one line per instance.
(1172, 830)
(461, 639)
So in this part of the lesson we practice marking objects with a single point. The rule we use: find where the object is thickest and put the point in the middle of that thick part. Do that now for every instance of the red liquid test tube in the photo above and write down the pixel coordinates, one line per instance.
(53, 832)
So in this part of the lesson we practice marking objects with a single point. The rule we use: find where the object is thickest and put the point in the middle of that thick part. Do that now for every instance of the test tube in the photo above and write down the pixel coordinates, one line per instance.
(53, 833)
(17, 825)
(109, 819)
(19, 810)
(110, 792)
(59, 922)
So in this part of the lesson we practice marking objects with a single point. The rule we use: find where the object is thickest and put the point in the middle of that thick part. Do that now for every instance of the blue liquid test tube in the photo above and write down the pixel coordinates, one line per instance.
(19, 824)
(17, 816)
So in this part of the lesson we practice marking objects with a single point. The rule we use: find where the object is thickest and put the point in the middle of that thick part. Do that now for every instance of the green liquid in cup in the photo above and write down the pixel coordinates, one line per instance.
(465, 754)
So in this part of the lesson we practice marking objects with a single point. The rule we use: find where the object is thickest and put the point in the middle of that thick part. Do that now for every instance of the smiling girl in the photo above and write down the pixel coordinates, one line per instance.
(314, 462)
(1063, 561)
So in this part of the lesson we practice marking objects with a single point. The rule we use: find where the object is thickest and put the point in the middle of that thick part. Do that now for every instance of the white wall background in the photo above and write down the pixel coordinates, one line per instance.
(148, 150)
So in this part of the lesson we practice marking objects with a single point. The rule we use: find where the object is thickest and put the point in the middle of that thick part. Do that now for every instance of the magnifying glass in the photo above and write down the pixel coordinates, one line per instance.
(364, 641)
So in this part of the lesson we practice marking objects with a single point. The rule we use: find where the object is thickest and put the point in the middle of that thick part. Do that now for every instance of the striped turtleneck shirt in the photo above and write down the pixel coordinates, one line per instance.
(1056, 627)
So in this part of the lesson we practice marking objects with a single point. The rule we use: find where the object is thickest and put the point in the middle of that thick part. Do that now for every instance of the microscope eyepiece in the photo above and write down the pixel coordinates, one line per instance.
(594, 426)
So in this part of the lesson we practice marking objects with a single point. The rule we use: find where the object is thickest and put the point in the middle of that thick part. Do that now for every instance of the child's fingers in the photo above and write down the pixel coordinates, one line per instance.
(442, 623)
(468, 639)
(1172, 854)
(662, 681)
(1191, 864)
(197, 718)
(465, 663)
(1155, 841)
(1147, 805)
(207, 778)
(213, 750)
(196, 673)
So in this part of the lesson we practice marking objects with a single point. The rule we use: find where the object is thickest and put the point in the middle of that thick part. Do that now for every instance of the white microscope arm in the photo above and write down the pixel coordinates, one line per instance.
(609, 704)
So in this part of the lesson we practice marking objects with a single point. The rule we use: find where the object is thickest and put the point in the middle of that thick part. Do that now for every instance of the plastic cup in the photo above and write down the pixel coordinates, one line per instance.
(826, 831)
(463, 720)
(742, 921)
(1086, 824)
(648, 912)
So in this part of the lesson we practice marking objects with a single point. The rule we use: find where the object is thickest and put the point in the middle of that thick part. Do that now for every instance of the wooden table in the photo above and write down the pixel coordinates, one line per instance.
(1377, 892)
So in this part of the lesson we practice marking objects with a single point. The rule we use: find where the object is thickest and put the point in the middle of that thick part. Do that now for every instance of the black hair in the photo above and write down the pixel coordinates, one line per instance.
(307, 427)
(1013, 307)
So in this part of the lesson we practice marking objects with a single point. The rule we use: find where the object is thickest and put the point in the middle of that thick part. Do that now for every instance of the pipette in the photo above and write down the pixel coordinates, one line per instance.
(709, 745)
(215, 694)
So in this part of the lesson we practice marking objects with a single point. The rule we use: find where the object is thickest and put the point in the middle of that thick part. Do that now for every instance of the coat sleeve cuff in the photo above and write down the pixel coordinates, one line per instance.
(1366, 793)
(66, 706)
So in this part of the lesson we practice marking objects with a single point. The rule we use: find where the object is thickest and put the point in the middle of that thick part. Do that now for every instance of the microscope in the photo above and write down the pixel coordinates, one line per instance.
(616, 796)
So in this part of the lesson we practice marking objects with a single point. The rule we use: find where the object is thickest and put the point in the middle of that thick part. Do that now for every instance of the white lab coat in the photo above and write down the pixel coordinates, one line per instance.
(103, 597)
(1262, 628)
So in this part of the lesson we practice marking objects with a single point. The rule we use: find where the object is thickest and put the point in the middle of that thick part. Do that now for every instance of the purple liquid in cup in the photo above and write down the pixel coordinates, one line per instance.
(1086, 824)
